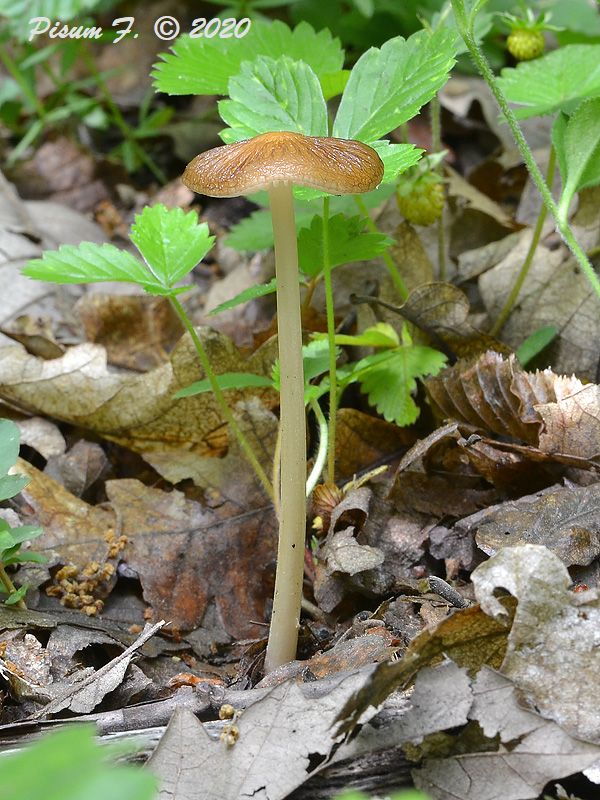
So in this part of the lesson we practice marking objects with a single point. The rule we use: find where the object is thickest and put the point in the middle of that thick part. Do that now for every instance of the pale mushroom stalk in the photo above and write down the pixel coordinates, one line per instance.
(285, 619)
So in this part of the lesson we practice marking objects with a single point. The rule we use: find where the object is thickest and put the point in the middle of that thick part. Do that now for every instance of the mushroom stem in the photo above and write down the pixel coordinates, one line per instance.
(283, 633)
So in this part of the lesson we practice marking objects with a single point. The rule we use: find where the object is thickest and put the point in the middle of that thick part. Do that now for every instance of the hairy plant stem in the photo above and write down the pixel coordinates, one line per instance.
(465, 25)
(9, 586)
(285, 619)
(226, 412)
(435, 115)
(330, 311)
(389, 261)
(537, 233)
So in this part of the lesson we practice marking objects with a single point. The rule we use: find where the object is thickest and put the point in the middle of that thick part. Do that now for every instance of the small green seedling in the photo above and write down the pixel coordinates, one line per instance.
(12, 539)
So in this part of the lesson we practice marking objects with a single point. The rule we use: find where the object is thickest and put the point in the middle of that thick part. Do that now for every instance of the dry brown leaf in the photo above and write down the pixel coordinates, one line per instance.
(137, 411)
(191, 557)
(138, 331)
(459, 188)
(410, 257)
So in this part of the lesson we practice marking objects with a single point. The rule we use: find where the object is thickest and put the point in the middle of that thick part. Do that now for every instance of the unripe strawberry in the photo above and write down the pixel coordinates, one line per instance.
(524, 44)
(422, 202)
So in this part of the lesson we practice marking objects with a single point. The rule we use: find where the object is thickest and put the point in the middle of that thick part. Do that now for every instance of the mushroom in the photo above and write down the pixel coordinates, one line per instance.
(275, 161)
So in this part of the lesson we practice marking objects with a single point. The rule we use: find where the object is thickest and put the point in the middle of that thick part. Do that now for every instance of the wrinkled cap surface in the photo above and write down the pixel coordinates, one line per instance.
(336, 166)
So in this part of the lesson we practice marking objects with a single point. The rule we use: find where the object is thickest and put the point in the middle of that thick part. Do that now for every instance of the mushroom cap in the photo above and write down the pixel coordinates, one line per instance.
(336, 166)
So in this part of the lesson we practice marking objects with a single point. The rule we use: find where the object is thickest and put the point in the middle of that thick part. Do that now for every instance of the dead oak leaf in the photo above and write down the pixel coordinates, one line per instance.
(137, 411)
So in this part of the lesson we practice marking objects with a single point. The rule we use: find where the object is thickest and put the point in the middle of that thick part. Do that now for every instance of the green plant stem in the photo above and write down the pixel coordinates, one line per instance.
(9, 586)
(465, 25)
(537, 233)
(226, 412)
(330, 312)
(15, 73)
(120, 120)
(389, 261)
(321, 458)
(435, 114)
(285, 620)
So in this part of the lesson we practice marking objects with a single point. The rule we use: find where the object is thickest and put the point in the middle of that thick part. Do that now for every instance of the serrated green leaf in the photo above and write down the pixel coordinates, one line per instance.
(205, 66)
(228, 380)
(557, 81)
(397, 158)
(10, 485)
(347, 242)
(256, 231)
(334, 83)
(171, 242)
(388, 86)
(380, 335)
(273, 95)
(92, 263)
(389, 379)
(577, 142)
(260, 290)
(9, 445)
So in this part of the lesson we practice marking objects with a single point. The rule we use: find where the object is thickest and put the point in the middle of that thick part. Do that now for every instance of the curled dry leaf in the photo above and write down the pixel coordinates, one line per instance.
(137, 411)
(556, 413)
(552, 654)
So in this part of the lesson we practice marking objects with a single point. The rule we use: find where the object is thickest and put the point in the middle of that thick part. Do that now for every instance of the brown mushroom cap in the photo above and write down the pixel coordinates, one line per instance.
(336, 166)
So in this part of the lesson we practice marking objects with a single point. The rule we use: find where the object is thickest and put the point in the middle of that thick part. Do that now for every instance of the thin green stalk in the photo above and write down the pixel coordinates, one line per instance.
(389, 261)
(321, 458)
(465, 24)
(537, 233)
(120, 120)
(14, 71)
(226, 412)
(330, 311)
(435, 115)
(9, 586)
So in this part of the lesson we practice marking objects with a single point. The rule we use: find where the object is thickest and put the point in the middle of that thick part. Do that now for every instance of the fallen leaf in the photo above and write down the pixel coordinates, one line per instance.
(363, 440)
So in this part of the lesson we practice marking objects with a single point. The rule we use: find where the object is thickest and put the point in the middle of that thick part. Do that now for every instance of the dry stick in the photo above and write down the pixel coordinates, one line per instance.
(226, 412)
(465, 25)
(285, 620)
(537, 233)
(389, 261)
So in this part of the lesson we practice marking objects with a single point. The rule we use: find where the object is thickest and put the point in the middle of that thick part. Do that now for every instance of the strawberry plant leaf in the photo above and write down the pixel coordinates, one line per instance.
(380, 335)
(92, 263)
(260, 290)
(228, 380)
(389, 85)
(557, 81)
(397, 158)
(577, 143)
(269, 95)
(171, 242)
(204, 66)
(9, 445)
(348, 242)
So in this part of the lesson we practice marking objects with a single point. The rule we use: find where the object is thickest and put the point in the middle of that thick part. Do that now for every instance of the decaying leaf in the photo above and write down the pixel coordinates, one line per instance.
(566, 521)
(189, 556)
(552, 653)
(137, 411)
(287, 720)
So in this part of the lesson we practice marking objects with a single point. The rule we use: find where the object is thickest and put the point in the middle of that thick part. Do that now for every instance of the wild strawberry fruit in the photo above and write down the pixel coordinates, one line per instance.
(421, 201)
(525, 44)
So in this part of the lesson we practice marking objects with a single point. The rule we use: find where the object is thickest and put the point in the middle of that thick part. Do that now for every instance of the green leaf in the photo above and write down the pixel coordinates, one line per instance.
(171, 242)
(269, 95)
(9, 445)
(380, 335)
(535, 343)
(334, 83)
(92, 263)
(389, 378)
(260, 290)
(15, 596)
(68, 765)
(577, 143)
(10, 485)
(205, 66)
(397, 158)
(559, 80)
(228, 380)
(388, 86)
(256, 231)
(315, 358)
(347, 242)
